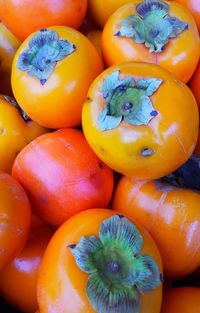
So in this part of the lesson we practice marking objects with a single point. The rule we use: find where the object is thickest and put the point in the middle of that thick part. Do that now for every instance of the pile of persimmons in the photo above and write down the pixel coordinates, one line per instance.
(100, 156)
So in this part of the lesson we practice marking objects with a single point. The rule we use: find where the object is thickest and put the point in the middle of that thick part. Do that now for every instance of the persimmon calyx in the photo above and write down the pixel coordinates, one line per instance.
(127, 100)
(44, 51)
(152, 25)
(118, 272)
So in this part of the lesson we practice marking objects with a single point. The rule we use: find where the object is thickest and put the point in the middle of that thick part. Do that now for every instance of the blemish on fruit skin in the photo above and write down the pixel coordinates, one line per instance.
(101, 165)
(95, 180)
(146, 152)
(102, 150)
(2, 131)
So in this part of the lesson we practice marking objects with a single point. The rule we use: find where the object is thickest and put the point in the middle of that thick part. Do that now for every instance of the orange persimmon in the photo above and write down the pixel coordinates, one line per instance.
(171, 215)
(153, 31)
(99, 261)
(62, 175)
(25, 17)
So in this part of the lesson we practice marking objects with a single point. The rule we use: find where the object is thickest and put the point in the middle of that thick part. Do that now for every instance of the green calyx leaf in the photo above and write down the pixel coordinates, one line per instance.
(152, 26)
(45, 50)
(117, 270)
(127, 100)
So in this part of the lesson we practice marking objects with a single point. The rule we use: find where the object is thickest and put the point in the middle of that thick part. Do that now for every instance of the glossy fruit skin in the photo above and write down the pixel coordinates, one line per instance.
(194, 7)
(194, 84)
(182, 299)
(49, 13)
(8, 47)
(58, 103)
(172, 218)
(180, 56)
(120, 148)
(95, 37)
(62, 176)
(100, 11)
(18, 280)
(59, 267)
(16, 133)
(15, 212)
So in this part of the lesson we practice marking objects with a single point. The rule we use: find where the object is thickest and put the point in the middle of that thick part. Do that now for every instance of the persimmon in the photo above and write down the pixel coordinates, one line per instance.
(62, 175)
(99, 261)
(25, 17)
(51, 74)
(101, 11)
(171, 214)
(140, 120)
(8, 47)
(95, 37)
(153, 31)
(18, 280)
(181, 300)
(15, 217)
(16, 131)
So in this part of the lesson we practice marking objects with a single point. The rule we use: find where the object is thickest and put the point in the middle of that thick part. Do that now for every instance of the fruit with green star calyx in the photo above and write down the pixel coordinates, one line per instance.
(153, 31)
(51, 74)
(106, 264)
(140, 120)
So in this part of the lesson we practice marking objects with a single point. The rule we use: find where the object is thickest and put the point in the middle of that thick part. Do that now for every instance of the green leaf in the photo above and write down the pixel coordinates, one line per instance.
(109, 122)
(129, 101)
(83, 253)
(42, 37)
(45, 50)
(116, 267)
(106, 121)
(106, 299)
(177, 26)
(149, 85)
(151, 25)
(112, 82)
(65, 48)
(152, 6)
(147, 273)
(36, 72)
(142, 114)
(133, 27)
(122, 232)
